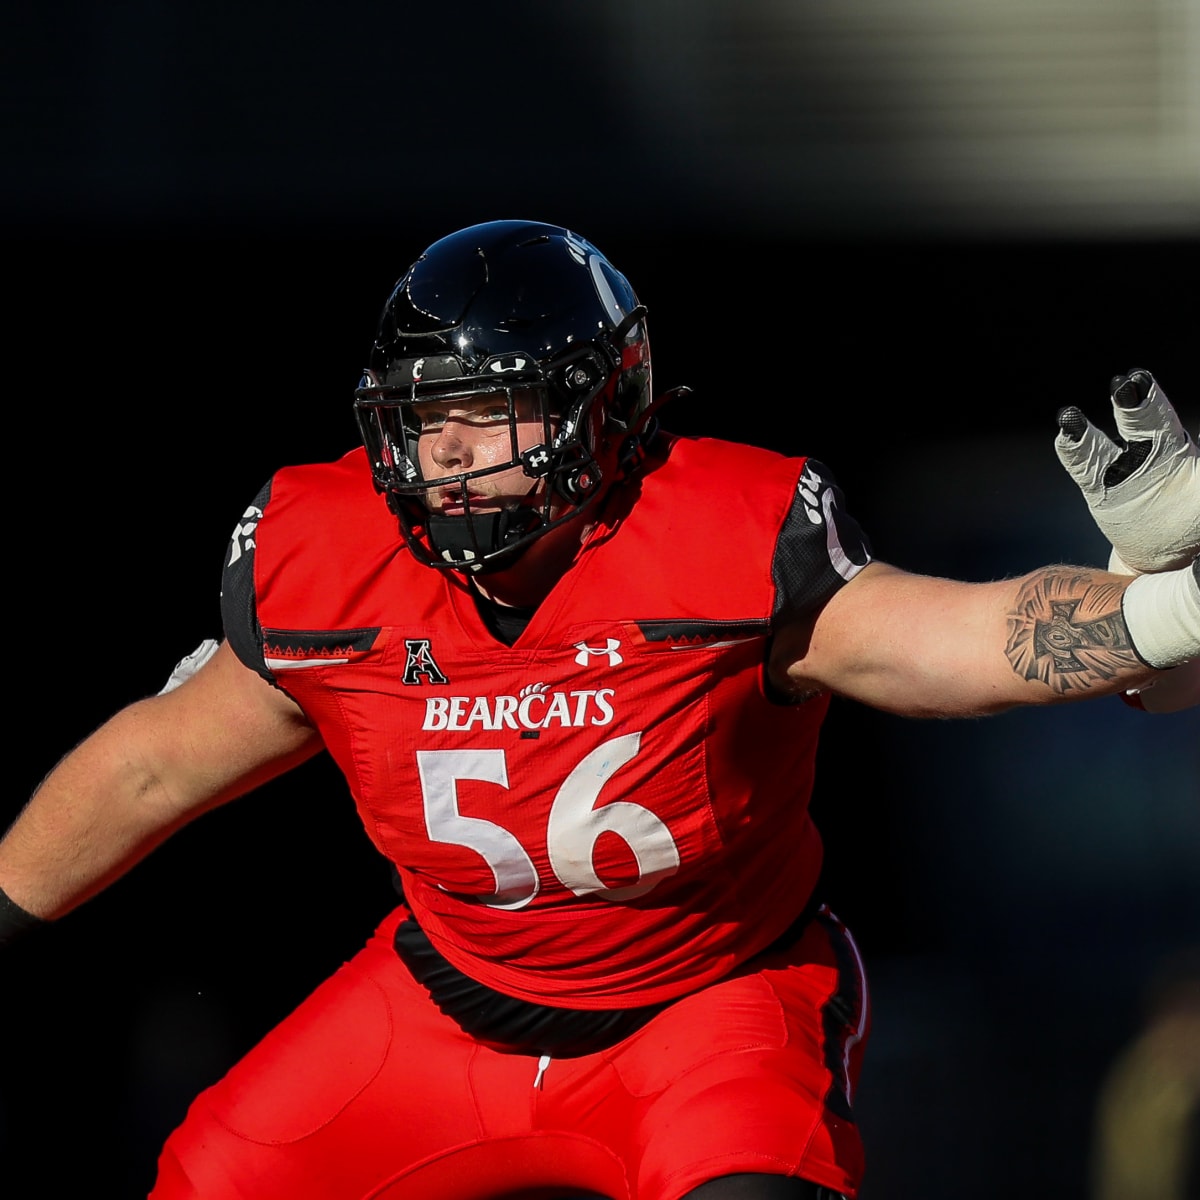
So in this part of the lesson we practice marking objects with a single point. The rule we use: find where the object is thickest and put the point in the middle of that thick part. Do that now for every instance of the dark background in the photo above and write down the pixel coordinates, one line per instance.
(204, 208)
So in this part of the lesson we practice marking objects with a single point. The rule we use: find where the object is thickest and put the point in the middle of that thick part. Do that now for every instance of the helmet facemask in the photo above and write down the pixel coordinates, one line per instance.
(562, 474)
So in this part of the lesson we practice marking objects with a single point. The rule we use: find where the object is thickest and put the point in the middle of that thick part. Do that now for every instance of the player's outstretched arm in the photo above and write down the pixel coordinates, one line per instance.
(922, 646)
(1143, 490)
(144, 773)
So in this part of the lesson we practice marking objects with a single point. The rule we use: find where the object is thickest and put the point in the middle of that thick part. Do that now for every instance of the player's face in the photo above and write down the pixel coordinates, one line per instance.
(474, 433)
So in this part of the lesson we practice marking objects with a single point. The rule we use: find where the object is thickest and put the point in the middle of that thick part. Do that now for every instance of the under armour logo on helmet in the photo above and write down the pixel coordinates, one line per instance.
(609, 649)
(508, 362)
(536, 461)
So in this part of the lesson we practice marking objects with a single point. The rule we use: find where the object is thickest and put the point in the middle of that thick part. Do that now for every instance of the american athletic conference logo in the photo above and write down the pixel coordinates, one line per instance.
(419, 663)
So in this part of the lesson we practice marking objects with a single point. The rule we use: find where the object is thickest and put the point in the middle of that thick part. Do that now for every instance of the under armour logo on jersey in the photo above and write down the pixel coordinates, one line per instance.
(243, 534)
(609, 649)
(419, 663)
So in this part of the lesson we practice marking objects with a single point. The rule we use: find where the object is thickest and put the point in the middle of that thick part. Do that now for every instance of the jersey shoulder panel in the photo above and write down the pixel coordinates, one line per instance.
(300, 551)
(767, 528)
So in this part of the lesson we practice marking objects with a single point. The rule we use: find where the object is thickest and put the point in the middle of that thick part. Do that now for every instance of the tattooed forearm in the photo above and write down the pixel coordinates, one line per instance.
(1066, 629)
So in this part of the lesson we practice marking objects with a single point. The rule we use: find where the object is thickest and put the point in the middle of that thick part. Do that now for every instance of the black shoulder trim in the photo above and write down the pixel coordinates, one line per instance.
(701, 632)
(317, 643)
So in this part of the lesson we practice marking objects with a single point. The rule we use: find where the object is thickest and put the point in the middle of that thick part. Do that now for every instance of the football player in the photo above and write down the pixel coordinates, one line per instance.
(574, 669)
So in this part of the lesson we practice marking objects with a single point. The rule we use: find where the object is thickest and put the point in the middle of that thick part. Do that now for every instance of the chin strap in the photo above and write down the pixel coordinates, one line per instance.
(460, 541)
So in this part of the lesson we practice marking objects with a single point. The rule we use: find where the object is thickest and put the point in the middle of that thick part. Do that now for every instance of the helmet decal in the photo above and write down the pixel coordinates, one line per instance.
(577, 247)
(603, 290)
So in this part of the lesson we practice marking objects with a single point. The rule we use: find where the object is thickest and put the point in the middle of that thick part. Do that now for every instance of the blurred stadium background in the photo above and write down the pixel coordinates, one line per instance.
(896, 234)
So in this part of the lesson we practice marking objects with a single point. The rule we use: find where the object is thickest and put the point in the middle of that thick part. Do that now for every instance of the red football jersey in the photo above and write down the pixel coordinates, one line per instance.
(613, 811)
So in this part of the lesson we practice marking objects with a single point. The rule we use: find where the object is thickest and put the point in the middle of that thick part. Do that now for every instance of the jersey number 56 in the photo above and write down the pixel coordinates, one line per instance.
(574, 827)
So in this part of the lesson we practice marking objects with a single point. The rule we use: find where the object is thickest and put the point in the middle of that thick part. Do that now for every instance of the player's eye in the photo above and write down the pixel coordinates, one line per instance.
(431, 419)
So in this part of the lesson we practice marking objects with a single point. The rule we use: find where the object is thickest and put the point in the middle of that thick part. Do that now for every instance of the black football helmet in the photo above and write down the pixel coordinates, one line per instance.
(509, 308)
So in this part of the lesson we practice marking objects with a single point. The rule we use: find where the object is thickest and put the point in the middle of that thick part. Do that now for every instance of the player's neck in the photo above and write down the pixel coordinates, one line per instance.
(532, 577)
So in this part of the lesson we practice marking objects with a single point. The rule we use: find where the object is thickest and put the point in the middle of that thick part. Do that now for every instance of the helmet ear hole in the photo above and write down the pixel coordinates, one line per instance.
(578, 483)
(580, 377)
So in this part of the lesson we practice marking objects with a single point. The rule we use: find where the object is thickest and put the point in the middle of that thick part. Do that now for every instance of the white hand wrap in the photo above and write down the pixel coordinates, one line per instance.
(1162, 614)
(189, 665)
(1151, 518)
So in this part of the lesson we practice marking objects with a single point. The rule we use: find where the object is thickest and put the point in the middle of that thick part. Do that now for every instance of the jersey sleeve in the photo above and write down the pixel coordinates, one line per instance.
(239, 600)
(820, 547)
